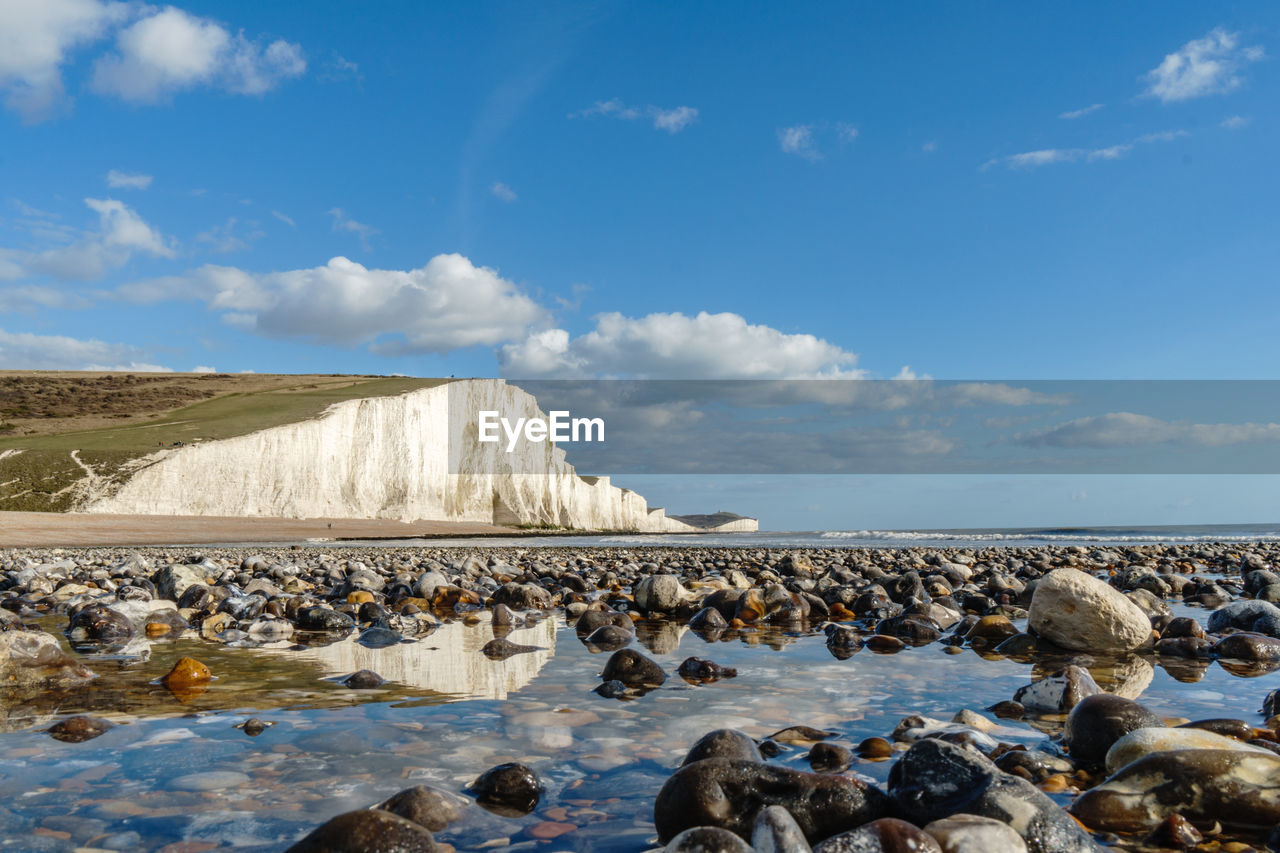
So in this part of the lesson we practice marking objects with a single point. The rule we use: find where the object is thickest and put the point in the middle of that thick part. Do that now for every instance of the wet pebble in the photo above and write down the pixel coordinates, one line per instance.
(79, 729)
(510, 789)
(364, 680)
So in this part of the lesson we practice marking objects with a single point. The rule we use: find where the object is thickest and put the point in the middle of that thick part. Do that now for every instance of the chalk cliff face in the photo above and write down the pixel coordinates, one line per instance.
(412, 457)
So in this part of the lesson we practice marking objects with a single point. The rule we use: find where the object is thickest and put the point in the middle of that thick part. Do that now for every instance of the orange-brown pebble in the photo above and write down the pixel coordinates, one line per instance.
(884, 644)
(1055, 784)
(840, 613)
(157, 629)
(187, 672)
(875, 747)
(559, 813)
(550, 829)
(360, 596)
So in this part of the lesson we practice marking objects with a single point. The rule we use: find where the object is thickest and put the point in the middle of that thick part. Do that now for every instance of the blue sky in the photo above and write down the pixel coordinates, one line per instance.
(560, 190)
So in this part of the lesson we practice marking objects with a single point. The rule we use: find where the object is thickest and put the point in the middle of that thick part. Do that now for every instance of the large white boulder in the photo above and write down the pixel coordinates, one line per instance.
(1077, 611)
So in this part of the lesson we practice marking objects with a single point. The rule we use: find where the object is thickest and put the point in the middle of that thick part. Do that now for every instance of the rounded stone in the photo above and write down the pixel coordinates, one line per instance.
(968, 833)
(659, 593)
(633, 669)
(728, 794)
(186, 673)
(707, 839)
(1095, 724)
(1059, 692)
(1077, 611)
(509, 789)
(425, 806)
(79, 729)
(1143, 742)
(367, 831)
(723, 743)
(1203, 785)
(886, 835)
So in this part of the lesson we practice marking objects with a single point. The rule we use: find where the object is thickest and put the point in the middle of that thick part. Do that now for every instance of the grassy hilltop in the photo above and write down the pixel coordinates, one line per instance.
(111, 420)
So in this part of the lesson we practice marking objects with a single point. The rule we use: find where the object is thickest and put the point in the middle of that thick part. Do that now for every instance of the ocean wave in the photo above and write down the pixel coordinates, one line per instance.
(1083, 536)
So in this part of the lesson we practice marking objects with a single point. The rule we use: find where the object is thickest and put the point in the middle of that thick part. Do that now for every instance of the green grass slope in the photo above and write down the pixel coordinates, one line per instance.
(39, 467)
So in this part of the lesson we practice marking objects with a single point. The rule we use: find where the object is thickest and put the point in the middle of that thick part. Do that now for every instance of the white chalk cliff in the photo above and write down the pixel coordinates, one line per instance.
(411, 457)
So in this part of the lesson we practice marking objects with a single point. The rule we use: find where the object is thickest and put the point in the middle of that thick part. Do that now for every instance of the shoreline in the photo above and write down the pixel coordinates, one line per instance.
(53, 530)
(84, 530)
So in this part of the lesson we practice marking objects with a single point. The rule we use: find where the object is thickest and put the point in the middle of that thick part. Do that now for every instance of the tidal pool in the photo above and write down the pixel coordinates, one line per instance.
(175, 774)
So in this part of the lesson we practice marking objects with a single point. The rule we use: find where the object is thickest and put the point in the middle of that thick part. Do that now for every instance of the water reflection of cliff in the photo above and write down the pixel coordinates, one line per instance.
(447, 661)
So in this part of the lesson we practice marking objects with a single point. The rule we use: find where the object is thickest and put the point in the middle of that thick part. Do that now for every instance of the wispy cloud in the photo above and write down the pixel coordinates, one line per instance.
(810, 140)
(798, 140)
(929, 147)
(341, 68)
(1204, 66)
(1163, 136)
(672, 120)
(1235, 122)
(1049, 156)
(342, 222)
(1113, 152)
(1126, 429)
(503, 192)
(285, 219)
(128, 180)
(228, 236)
(72, 254)
(24, 350)
(1080, 113)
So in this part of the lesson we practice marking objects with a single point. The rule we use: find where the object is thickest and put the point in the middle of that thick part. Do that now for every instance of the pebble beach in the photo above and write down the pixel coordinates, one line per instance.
(322, 697)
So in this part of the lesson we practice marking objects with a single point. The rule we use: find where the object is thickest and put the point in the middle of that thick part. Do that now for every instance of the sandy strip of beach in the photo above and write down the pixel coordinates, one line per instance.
(49, 529)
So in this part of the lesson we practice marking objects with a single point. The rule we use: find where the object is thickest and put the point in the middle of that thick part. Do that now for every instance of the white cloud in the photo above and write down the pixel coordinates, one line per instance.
(341, 68)
(671, 120)
(121, 233)
(285, 219)
(1049, 156)
(26, 351)
(1080, 113)
(503, 192)
(1235, 122)
(36, 37)
(445, 305)
(127, 180)
(1114, 152)
(121, 227)
(929, 147)
(1163, 136)
(1126, 429)
(665, 346)
(226, 237)
(1204, 66)
(172, 50)
(342, 222)
(1042, 157)
(25, 298)
(798, 140)
(803, 139)
(203, 369)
